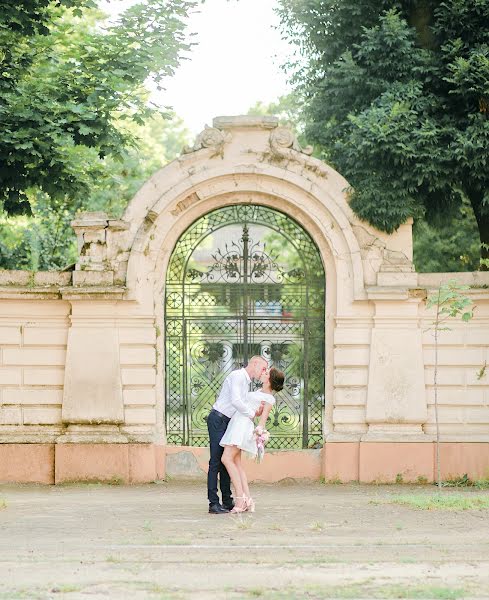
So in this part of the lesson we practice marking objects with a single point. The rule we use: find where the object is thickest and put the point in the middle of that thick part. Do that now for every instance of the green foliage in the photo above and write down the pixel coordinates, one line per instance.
(46, 240)
(449, 247)
(450, 302)
(443, 502)
(69, 80)
(397, 96)
(465, 481)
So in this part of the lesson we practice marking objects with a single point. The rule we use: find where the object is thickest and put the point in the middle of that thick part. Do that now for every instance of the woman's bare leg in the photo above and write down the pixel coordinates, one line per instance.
(228, 460)
(242, 474)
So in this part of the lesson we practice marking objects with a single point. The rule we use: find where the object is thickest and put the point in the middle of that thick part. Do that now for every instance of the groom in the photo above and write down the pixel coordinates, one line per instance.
(232, 398)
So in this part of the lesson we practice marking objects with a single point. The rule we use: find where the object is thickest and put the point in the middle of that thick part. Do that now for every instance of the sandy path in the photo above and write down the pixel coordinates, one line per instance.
(314, 541)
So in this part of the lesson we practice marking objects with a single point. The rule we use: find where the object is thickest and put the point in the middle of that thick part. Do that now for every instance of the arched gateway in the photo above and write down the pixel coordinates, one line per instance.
(108, 372)
(224, 253)
(245, 280)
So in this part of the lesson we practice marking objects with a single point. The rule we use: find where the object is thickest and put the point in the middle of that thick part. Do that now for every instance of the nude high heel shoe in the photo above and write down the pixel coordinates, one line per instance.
(250, 504)
(240, 509)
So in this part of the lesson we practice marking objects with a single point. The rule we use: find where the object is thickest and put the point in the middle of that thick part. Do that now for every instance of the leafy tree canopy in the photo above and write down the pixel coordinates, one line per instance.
(397, 95)
(68, 82)
(45, 240)
(450, 246)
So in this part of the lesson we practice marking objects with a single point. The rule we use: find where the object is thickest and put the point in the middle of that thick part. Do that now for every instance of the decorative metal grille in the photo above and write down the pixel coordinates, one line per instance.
(245, 280)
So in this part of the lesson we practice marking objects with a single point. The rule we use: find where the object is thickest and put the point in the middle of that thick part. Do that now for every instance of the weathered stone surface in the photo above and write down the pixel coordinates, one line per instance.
(92, 278)
(93, 387)
(91, 342)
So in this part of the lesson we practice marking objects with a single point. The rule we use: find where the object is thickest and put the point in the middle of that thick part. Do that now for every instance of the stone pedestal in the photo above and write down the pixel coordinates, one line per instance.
(92, 389)
(396, 397)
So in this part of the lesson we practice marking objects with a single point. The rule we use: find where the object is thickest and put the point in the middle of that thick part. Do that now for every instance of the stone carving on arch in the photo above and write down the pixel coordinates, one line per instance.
(252, 159)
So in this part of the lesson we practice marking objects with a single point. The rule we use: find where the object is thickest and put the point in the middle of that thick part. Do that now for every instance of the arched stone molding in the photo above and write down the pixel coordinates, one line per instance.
(247, 169)
(240, 161)
(152, 245)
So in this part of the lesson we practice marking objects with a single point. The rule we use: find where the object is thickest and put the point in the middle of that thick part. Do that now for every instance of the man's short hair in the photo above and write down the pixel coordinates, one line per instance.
(257, 357)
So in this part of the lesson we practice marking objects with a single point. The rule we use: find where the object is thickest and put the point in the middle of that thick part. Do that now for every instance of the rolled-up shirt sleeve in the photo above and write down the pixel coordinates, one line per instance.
(237, 386)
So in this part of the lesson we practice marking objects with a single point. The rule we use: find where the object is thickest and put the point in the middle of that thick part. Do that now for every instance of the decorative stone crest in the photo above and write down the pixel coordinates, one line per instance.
(285, 146)
(282, 138)
(212, 138)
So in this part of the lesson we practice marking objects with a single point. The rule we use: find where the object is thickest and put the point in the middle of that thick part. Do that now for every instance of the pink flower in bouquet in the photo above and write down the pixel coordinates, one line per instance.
(261, 438)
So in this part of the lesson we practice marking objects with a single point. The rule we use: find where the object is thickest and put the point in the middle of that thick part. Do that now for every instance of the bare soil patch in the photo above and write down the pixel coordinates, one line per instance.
(305, 541)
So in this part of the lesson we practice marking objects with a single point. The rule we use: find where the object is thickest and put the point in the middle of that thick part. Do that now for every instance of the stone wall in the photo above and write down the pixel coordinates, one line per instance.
(82, 380)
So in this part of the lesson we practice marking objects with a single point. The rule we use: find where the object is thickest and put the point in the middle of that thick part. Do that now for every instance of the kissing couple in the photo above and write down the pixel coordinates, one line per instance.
(232, 429)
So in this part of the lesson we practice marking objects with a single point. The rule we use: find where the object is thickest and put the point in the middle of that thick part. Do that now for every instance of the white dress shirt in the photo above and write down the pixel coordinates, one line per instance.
(232, 396)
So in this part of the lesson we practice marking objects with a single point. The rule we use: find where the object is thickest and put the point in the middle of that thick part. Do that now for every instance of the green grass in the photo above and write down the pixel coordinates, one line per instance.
(427, 592)
(465, 481)
(335, 480)
(65, 589)
(3, 504)
(113, 559)
(441, 501)
(481, 484)
(242, 522)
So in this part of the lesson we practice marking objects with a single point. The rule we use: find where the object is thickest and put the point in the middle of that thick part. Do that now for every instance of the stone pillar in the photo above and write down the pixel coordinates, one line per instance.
(92, 397)
(396, 398)
(92, 389)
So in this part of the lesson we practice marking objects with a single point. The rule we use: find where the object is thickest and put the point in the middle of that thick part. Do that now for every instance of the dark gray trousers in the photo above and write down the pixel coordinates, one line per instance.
(217, 425)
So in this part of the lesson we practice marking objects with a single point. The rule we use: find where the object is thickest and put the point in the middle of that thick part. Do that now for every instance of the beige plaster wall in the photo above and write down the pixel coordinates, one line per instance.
(35, 325)
(463, 382)
(82, 353)
(33, 338)
(33, 342)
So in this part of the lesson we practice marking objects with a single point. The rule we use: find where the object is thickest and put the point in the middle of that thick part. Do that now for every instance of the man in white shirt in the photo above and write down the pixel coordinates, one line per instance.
(232, 398)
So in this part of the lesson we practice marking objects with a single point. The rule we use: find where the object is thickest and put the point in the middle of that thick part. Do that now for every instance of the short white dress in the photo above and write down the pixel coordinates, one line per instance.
(240, 428)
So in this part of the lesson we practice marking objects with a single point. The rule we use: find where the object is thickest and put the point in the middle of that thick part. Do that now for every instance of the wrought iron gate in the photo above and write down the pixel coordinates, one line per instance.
(245, 280)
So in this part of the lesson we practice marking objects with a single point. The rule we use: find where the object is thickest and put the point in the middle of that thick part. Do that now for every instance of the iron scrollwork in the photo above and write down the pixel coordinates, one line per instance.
(259, 291)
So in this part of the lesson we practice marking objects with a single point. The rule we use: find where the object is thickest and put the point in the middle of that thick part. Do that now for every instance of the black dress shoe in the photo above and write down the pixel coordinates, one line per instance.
(217, 509)
(229, 506)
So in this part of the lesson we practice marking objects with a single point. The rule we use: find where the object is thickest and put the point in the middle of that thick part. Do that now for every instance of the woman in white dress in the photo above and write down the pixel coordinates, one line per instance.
(239, 436)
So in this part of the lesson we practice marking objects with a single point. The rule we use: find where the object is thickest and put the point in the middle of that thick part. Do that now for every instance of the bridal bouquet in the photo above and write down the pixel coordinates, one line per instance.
(261, 438)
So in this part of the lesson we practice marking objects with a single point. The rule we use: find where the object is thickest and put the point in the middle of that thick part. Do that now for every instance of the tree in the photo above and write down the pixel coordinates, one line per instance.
(450, 246)
(397, 95)
(45, 239)
(69, 82)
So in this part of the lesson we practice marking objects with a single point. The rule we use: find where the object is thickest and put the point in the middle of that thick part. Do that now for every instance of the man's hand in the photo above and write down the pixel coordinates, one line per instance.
(259, 410)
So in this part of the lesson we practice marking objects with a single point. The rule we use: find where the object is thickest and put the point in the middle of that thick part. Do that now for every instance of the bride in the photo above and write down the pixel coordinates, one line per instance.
(239, 437)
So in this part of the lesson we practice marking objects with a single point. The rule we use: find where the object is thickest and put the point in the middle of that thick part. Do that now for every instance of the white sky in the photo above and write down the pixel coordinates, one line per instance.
(235, 64)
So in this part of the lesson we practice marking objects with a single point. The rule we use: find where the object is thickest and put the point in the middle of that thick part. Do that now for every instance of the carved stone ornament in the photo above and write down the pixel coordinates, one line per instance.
(209, 138)
(284, 146)
(185, 203)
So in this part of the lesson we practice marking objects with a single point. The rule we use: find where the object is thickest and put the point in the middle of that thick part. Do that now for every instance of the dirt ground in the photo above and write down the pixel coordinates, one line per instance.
(305, 541)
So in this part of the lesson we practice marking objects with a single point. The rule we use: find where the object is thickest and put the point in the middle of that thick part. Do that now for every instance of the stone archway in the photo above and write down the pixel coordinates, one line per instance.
(244, 161)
